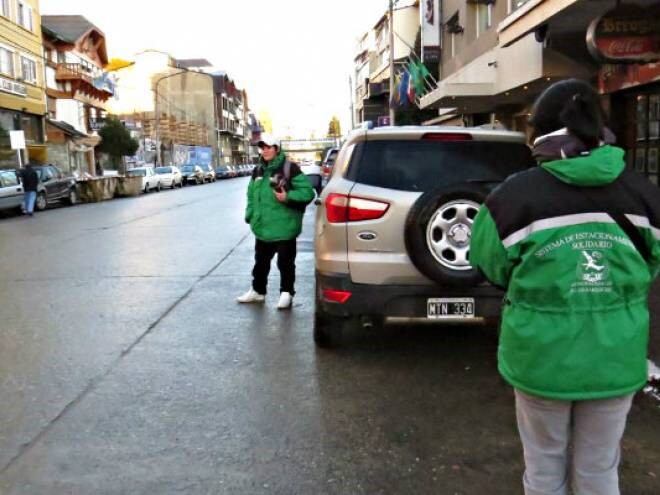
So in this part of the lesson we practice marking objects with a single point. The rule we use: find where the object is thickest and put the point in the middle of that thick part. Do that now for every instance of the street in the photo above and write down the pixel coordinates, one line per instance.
(127, 367)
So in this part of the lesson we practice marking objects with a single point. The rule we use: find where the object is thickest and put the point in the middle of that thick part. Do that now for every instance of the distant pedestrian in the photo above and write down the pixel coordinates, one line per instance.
(30, 180)
(276, 199)
(575, 244)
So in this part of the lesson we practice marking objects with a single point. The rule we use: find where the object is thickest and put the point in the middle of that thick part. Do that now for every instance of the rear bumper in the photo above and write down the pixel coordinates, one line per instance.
(404, 304)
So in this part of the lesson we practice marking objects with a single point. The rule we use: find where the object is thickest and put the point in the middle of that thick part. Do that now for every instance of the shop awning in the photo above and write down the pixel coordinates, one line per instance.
(447, 93)
(66, 128)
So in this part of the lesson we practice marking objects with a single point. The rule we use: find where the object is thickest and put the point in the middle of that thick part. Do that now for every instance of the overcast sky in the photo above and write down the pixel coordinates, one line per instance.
(292, 56)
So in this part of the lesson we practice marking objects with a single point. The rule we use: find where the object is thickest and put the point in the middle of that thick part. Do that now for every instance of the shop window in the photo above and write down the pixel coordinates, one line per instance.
(32, 126)
(646, 150)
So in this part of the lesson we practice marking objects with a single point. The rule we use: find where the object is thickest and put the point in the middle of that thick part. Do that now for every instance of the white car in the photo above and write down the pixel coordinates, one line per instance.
(313, 173)
(170, 176)
(150, 180)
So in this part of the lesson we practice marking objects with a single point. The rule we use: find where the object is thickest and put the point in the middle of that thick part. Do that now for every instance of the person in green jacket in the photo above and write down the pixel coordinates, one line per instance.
(575, 323)
(276, 199)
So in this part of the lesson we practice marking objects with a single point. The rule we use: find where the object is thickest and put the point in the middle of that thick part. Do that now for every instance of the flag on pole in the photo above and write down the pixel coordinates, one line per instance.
(403, 87)
(394, 97)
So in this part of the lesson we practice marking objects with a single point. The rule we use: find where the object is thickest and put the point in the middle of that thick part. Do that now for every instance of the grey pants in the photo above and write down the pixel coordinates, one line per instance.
(593, 427)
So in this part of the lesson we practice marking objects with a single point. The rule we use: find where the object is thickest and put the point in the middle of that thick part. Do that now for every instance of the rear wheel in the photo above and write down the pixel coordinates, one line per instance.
(146, 188)
(328, 330)
(42, 202)
(158, 187)
(73, 197)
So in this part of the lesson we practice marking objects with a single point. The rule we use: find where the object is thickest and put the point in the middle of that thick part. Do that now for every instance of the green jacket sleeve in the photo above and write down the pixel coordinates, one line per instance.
(250, 203)
(487, 253)
(301, 190)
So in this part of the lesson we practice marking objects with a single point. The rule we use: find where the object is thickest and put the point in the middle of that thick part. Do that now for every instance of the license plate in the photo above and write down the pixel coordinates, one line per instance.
(446, 308)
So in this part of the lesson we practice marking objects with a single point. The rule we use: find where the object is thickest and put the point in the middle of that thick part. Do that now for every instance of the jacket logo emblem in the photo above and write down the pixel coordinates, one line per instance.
(593, 267)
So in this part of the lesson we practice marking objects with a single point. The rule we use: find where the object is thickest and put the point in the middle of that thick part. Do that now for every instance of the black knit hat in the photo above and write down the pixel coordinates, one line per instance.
(571, 104)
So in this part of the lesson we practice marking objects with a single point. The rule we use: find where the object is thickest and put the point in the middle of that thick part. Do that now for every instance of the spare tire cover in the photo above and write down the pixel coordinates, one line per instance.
(438, 232)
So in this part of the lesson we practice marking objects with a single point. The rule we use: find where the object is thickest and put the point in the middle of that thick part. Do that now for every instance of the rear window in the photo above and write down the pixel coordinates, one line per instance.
(164, 170)
(424, 165)
(140, 172)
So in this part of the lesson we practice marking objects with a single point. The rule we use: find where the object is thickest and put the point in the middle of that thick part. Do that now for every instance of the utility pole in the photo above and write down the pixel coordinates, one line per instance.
(392, 89)
(350, 89)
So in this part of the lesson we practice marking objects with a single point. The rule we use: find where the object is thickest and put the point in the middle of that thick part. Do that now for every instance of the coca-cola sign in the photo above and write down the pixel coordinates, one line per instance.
(626, 34)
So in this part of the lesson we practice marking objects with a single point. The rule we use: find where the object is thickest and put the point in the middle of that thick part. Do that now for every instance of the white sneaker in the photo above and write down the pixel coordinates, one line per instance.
(286, 300)
(251, 296)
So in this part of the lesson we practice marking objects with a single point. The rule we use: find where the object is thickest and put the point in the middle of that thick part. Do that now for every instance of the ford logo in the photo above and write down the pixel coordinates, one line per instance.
(367, 236)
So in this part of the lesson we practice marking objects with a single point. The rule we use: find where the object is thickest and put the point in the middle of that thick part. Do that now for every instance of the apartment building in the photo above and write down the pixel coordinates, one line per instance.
(77, 91)
(372, 61)
(22, 95)
(231, 110)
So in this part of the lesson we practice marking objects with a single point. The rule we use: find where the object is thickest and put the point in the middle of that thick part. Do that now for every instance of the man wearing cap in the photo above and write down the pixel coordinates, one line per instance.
(276, 198)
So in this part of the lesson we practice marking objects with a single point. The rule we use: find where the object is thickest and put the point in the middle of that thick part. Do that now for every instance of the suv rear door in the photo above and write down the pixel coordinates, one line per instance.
(397, 172)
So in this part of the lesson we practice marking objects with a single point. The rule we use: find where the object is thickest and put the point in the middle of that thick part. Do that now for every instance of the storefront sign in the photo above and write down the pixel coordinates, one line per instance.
(430, 19)
(626, 34)
(613, 78)
(9, 86)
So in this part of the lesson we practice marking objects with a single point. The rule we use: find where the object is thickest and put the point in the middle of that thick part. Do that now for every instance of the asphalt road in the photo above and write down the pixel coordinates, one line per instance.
(126, 367)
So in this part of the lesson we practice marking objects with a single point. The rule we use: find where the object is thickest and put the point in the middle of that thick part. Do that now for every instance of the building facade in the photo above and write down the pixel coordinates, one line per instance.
(498, 56)
(22, 95)
(169, 108)
(77, 91)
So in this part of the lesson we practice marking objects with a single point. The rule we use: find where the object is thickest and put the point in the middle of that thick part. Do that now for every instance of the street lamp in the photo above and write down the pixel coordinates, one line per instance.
(158, 157)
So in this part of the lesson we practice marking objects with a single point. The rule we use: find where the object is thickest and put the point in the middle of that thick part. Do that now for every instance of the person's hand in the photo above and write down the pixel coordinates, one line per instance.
(280, 194)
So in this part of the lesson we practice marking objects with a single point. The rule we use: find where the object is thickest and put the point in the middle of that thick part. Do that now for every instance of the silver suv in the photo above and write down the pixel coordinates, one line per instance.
(394, 223)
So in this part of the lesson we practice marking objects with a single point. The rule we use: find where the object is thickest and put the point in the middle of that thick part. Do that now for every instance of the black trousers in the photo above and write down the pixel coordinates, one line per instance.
(286, 262)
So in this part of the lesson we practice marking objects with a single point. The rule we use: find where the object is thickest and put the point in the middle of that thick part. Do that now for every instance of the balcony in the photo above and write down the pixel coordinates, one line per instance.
(84, 80)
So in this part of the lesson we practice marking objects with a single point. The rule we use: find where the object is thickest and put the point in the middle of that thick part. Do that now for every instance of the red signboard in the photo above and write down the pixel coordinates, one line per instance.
(613, 78)
(626, 34)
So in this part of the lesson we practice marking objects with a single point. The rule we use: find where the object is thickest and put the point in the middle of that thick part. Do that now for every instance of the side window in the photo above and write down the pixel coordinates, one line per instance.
(8, 179)
(46, 174)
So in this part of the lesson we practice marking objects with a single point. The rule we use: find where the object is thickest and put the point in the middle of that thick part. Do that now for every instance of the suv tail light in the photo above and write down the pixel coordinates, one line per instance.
(447, 136)
(340, 208)
(336, 296)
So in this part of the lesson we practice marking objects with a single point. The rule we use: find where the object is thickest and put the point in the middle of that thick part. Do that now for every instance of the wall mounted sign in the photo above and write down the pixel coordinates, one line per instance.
(9, 86)
(628, 34)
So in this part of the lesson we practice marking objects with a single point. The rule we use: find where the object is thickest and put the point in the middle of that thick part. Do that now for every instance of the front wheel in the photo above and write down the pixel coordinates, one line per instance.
(158, 187)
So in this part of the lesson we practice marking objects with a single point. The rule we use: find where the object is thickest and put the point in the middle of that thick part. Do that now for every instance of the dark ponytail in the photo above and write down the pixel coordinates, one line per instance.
(583, 117)
(573, 104)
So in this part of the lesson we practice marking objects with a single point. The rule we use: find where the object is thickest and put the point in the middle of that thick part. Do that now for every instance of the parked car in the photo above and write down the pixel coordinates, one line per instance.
(192, 174)
(150, 179)
(54, 186)
(327, 164)
(170, 176)
(209, 173)
(11, 191)
(313, 173)
(233, 171)
(394, 222)
(222, 172)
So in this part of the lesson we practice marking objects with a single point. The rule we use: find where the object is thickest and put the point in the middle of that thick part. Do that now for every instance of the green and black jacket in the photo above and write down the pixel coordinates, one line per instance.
(269, 219)
(575, 322)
